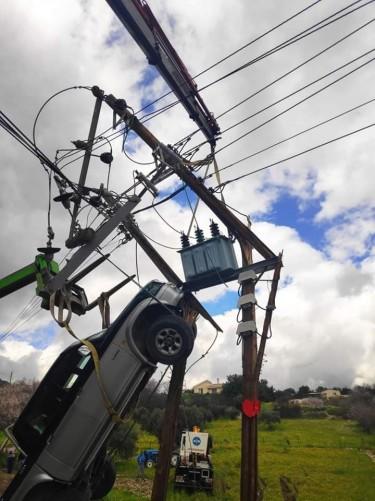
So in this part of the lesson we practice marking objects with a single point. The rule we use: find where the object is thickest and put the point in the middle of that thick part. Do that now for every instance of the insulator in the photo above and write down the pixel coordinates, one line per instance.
(185, 241)
(82, 237)
(106, 158)
(120, 105)
(80, 145)
(95, 200)
(199, 235)
(214, 227)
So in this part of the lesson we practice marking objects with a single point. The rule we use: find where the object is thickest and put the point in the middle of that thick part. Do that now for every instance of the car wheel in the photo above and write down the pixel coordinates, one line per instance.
(52, 491)
(104, 480)
(174, 460)
(169, 339)
(149, 464)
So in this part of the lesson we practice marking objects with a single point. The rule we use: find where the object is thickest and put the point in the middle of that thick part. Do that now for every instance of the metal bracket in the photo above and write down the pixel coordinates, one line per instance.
(246, 301)
(84, 252)
(249, 327)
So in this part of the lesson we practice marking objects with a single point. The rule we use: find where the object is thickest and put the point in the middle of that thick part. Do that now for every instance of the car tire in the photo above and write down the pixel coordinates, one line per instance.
(149, 464)
(105, 480)
(174, 459)
(52, 491)
(169, 339)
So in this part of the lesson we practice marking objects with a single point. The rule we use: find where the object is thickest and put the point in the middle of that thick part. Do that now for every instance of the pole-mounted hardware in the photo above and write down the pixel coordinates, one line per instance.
(77, 236)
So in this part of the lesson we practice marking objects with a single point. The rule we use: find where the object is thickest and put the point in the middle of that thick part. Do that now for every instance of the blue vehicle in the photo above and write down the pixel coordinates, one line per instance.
(149, 456)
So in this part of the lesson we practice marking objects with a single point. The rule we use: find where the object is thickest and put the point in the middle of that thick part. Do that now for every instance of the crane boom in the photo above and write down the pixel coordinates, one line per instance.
(141, 23)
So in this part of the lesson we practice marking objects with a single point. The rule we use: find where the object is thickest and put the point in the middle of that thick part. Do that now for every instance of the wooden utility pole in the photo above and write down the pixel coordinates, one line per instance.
(168, 433)
(249, 432)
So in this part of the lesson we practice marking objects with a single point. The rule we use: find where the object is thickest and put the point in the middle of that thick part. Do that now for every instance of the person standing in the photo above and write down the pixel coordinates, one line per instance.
(11, 457)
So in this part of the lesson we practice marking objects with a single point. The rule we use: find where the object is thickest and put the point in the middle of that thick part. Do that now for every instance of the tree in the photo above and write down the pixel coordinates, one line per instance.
(232, 387)
(123, 439)
(303, 391)
(13, 398)
(266, 393)
(362, 407)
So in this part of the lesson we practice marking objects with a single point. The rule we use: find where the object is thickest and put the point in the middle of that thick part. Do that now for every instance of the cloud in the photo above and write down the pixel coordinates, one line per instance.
(324, 321)
(322, 327)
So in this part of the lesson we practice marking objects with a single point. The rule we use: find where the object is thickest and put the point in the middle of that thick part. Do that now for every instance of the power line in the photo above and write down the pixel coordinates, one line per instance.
(294, 136)
(302, 100)
(259, 37)
(356, 131)
(75, 87)
(166, 199)
(270, 52)
(296, 38)
(165, 221)
(295, 69)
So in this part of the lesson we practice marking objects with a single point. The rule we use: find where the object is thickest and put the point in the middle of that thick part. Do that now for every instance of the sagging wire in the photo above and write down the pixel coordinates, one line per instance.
(164, 220)
(75, 87)
(204, 354)
(159, 243)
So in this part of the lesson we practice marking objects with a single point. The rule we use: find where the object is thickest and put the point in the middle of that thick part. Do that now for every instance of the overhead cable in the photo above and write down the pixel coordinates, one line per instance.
(304, 131)
(302, 100)
(262, 56)
(296, 38)
(356, 131)
(295, 68)
(256, 39)
(75, 87)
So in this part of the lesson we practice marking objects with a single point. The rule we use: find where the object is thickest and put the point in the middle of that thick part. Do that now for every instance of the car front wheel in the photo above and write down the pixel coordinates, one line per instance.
(169, 339)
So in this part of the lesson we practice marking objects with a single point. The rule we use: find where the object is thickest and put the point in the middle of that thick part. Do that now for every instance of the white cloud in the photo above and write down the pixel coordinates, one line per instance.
(323, 325)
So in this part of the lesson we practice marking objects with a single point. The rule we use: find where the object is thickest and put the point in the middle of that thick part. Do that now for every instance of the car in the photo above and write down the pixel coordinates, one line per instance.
(63, 430)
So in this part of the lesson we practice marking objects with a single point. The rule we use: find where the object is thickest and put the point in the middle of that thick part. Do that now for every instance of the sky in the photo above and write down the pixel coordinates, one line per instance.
(316, 208)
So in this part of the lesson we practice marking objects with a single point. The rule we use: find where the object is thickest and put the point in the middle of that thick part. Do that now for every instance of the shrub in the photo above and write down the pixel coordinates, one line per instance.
(290, 411)
(230, 412)
(123, 440)
(270, 419)
(364, 414)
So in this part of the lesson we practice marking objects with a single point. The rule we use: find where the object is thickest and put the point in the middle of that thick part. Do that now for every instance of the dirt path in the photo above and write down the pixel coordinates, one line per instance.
(5, 479)
(135, 485)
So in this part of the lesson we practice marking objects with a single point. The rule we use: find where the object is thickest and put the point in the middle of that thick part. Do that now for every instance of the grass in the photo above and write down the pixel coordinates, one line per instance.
(324, 459)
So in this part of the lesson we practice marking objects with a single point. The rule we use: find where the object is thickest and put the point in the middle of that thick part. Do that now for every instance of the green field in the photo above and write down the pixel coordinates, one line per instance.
(324, 458)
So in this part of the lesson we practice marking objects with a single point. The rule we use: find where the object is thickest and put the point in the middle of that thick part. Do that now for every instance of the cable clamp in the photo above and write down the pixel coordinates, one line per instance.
(247, 328)
(247, 275)
(246, 301)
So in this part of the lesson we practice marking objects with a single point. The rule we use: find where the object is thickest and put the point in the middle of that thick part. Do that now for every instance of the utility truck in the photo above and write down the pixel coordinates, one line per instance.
(194, 468)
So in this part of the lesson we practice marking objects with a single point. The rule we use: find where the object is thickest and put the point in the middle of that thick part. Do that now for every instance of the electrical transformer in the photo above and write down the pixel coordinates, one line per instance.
(210, 260)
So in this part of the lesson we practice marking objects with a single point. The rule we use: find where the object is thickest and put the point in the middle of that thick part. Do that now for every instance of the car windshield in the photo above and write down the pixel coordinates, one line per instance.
(54, 396)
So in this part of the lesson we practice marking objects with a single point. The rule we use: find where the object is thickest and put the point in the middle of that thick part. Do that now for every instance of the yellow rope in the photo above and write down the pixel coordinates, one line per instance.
(94, 354)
